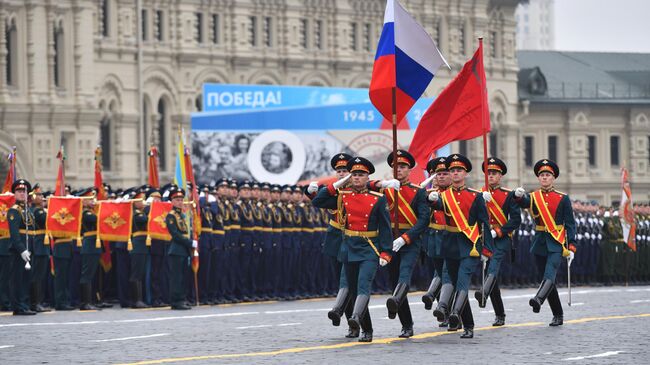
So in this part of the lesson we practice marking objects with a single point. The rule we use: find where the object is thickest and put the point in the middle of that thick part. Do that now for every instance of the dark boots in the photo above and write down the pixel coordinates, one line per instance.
(86, 297)
(136, 295)
(557, 321)
(432, 293)
(358, 313)
(36, 298)
(499, 321)
(483, 295)
(542, 293)
(342, 299)
(393, 303)
(459, 304)
(442, 311)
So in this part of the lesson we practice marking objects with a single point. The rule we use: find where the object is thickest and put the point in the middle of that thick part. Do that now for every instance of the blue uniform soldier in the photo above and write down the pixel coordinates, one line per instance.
(139, 247)
(366, 236)
(505, 218)
(179, 248)
(555, 229)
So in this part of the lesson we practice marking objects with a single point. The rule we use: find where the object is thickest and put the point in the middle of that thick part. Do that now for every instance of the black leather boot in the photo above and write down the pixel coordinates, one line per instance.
(468, 333)
(352, 333)
(442, 311)
(36, 299)
(432, 293)
(407, 332)
(137, 292)
(86, 298)
(393, 303)
(459, 304)
(342, 298)
(499, 321)
(542, 293)
(366, 336)
(360, 307)
(483, 295)
(557, 321)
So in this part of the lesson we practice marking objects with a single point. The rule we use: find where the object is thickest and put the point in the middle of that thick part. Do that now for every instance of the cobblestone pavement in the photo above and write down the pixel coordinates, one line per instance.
(605, 325)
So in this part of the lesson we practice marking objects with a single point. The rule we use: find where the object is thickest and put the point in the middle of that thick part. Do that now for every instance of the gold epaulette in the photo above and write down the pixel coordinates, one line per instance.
(375, 193)
(505, 189)
(472, 190)
(559, 192)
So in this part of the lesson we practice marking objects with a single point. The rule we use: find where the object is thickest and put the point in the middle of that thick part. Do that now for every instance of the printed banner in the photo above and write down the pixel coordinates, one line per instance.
(156, 226)
(114, 220)
(63, 217)
(6, 202)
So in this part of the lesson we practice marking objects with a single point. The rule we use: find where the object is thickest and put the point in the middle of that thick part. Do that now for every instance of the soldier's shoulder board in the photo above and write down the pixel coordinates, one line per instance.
(560, 192)
(505, 189)
(473, 190)
(375, 193)
(416, 187)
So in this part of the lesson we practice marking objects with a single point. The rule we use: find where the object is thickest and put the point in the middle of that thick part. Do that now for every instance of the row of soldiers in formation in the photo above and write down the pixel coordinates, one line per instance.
(262, 241)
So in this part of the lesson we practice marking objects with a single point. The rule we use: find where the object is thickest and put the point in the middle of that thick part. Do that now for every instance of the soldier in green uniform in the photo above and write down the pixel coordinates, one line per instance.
(139, 247)
(40, 249)
(91, 248)
(21, 224)
(179, 248)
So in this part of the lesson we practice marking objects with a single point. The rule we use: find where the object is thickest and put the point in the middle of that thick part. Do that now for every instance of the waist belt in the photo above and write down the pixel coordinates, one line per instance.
(234, 226)
(139, 234)
(452, 229)
(206, 230)
(335, 224)
(403, 225)
(32, 232)
(543, 228)
(248, 229)
(437, 226)
(218, 231)
(367, 234)
(90, 234)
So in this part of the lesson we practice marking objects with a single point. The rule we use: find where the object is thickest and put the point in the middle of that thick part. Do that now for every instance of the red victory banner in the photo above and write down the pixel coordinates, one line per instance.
(114, 220)
(157, 227)
(63, 217)
(6, 202)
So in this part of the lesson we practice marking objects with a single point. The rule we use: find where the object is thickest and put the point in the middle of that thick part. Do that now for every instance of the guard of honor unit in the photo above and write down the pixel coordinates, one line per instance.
(261, 241)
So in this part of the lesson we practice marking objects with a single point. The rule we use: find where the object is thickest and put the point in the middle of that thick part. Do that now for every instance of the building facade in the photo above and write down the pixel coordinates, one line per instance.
(535, 25)
(73, 70)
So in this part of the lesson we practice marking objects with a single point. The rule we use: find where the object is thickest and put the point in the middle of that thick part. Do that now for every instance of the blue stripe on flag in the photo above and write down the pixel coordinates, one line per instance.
(411, 77)
(386, 45)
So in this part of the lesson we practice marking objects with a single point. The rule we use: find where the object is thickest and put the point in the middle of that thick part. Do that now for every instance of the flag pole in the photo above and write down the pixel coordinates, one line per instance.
(485, 170)
(396, 197)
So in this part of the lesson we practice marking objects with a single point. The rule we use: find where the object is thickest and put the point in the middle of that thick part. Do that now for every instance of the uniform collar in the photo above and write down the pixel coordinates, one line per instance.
(406, 182)
(552, 188)
(179, 210)
(496, 187)
(361, 191)
(460, 188)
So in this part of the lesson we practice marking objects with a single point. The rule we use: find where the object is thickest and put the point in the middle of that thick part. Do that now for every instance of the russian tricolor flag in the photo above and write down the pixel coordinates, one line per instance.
(406, 59)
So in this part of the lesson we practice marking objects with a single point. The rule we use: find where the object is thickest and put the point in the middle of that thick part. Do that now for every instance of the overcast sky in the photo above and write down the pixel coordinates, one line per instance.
(602, 25)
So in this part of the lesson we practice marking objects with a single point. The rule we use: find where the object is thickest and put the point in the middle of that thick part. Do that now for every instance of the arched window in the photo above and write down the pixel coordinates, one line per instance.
(198, 103)
(162, 118)
(105, 141)
(58, 55)
(11, 61)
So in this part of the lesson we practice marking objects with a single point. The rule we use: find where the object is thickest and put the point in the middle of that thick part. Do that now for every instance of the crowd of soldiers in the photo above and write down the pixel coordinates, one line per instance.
(262, 241)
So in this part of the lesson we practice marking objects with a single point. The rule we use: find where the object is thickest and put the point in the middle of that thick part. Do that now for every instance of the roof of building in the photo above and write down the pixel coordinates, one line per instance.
(560, 76)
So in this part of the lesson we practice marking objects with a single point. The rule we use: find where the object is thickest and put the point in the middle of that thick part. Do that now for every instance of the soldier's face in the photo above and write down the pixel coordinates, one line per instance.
(245, 193)
(275, 196)
(546, 179)
(222, 190)
(138, 204)
(359, 179)
(443, 179)
(285, 195)
(494, 177)
(177, 202)
(296, 196)
(266, 194)
(255, 193)
(403, 172)
(156, 198)
(37, 199)
(341, 173)
(457, 175)
(20, 195)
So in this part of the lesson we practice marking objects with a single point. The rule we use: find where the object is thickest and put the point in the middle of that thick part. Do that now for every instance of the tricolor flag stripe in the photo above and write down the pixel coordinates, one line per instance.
(412, 77)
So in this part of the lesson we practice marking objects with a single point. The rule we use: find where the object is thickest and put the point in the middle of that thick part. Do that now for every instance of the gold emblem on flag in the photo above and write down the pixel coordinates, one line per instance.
(114, 220)
(63, 216)
(3, 212)
(160, 220)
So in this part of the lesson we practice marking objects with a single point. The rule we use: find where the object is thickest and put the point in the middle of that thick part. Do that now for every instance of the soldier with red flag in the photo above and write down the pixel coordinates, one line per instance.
(505, 218)
(555, 230)
(91, 248)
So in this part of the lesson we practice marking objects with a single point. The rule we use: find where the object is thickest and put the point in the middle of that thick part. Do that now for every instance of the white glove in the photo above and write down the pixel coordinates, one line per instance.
(427, 181)
(434, 196)
(195, 244)
(339, 183)
(313, 187)
(25, 255)
(382, 262)
(494, 233)
(571, 256)
(487, 196)
(398, 243)
(484, 258)
(390, 184)
(519, 192)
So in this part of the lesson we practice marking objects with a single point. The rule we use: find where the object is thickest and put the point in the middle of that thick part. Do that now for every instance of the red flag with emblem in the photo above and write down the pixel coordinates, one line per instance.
(156, 225)
(6, 202)
(114, 220)
(63, 217)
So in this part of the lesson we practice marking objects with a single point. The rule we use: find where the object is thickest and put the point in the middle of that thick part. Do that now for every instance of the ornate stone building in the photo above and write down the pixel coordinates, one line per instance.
(72, 71)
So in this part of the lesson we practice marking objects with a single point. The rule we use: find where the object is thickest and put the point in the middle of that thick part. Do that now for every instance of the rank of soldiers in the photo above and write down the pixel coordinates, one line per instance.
(261, 241)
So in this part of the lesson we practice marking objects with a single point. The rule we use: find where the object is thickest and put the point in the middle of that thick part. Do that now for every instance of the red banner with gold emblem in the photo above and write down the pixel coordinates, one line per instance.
(157, 227)
(63, 217)
(114, 220)
(6, 202)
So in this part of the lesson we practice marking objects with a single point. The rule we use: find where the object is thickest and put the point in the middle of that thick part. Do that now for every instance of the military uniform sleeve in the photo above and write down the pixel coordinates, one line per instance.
(385, 234)
(423, 212)
(324, 199)
(514, 214)
(569, 222)
(14, 230)
(176, 234)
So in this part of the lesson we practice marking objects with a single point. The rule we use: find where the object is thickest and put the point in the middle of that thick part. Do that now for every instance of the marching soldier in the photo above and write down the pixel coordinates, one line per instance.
(140, 248)
(179, 248)
(467, 219)
(21, 234)
(437, 225)
(555, 230)
(91, 249)
(412, 220)
(367, 238)
(505, 218)
(41, 251)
